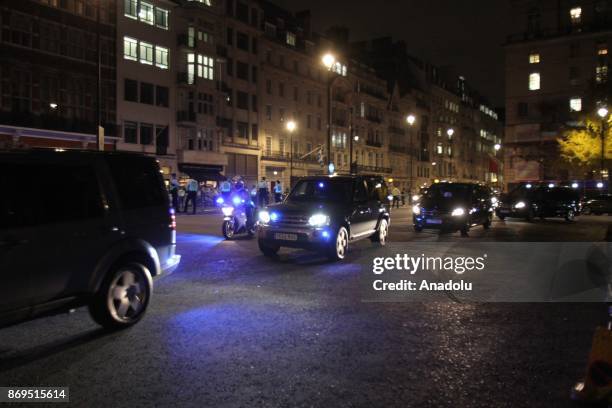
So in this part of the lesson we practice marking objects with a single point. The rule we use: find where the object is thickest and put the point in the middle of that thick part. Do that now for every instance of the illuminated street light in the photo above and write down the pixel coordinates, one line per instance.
(600, 185)
(356, 138)
(328, 60)
(410, 119)
(497, 146)
(602, 112)
(53, 105)
(291, 126)
(450, 132)
(574, 185)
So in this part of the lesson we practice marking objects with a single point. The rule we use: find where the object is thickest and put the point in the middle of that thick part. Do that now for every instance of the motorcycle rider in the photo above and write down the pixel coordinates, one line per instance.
(245, 196)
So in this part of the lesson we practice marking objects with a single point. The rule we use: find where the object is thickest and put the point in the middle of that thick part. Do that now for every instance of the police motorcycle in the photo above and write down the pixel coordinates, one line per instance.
(235, 214)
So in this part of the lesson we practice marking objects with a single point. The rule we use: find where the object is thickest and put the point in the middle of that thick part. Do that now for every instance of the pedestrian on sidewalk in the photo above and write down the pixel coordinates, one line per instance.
(174, 191)
(192, 195)
(395, 192)
(278, 192)
(263, 192)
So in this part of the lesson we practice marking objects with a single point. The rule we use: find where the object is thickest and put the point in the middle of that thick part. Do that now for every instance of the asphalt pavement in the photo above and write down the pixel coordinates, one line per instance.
(231, 328)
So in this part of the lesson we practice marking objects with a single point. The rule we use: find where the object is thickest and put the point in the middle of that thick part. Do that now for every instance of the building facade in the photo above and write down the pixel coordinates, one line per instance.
(556, 73)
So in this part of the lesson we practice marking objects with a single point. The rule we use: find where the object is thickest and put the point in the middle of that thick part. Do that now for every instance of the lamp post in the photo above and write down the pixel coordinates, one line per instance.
(410, 119)
(99, 128)
(603, 113)
(450, 132)
(328, 61)
(290, 128)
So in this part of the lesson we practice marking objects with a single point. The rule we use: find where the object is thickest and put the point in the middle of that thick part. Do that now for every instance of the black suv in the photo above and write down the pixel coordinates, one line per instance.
(601, 204)
(454, 206)
(325, 213)
(529, 202)
(82, 228)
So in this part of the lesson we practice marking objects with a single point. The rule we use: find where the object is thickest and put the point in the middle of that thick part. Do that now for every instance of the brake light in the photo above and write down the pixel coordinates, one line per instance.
(172, 219)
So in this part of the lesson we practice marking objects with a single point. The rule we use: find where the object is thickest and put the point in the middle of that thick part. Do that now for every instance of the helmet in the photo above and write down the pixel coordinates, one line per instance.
(239, 185)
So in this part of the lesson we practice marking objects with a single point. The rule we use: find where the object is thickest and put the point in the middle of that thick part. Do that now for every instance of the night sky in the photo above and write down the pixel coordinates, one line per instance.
(467, 34)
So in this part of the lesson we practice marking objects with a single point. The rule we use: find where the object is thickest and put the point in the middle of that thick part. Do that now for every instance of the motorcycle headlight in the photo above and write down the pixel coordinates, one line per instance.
(458, 212)
(494, 200)
(416, 210)
(237, 200)
(318, 220)
(520, 204)
(264, 217)
(390, 197)
(227, 211)
(220, 200)
(416, 197)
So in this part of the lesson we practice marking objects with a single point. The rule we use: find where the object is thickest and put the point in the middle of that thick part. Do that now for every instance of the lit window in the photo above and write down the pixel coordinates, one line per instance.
(575, 104)
(534, 58)
(190, 68)
(146, 53)
(130, 8)
(439, 149)
(207, 2)
(201, 66)
(602, 49)
(601, 74)
(576, 15)
(130, 48)
(339, 68)
(161, 57)
(161, 18)
(534, 81)
(291, 39)
(146, 13)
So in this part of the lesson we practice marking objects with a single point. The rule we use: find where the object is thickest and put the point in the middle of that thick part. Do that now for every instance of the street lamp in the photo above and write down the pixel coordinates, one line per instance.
(328, 61)
(450, 132)
(603, 113)
(290, 128)
(410, 119)
(497, 147)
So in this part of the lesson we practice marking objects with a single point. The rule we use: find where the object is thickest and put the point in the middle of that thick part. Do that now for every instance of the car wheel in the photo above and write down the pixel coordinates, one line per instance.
(586, 211)
(487, 223)
(465, 231)
(123, 297)
(338, 251)
(570, 216)
(381, 234)
(268, 250)
(228, 229)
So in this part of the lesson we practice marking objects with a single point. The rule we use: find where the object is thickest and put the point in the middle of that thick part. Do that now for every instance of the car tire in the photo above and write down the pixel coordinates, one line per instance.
(465, 231)
(338, 250)
(228, 229)
(380, 236)
(123, 297)
(570, 216)
(268, 250)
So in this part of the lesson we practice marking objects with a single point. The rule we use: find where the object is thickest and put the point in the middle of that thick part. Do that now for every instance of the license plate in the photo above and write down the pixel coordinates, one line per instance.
(285, 237)
(434, 221)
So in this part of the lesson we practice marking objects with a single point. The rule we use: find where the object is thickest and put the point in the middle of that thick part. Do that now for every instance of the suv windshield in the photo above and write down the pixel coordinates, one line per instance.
(325, 190)
(448, 191)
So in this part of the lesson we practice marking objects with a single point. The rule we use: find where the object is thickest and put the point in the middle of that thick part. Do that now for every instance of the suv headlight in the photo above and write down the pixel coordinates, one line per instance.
(520, 204)
(318, 220)
(264, 217)
(227, 211)
(416, 209)
(458, 212)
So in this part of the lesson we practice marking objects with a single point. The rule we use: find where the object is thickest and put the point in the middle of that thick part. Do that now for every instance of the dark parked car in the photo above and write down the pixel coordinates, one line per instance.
(454, 207)
(542, 202)
(326, 213)
(598, 205)
(82, 228)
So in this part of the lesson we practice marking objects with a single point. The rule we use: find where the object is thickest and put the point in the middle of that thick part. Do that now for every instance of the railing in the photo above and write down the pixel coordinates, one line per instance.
(559, 32)
(374, 119)
(286, 156)
(339, 122)
(373, 169)
(396, 130)
(399, 149)
(373, 143)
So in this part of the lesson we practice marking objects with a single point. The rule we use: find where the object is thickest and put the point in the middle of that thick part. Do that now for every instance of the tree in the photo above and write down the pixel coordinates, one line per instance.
(582, 145)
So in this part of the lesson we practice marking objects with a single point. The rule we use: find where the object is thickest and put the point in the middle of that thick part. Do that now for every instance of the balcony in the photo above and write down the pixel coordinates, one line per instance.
(286, 156)
(397, 131)
(185, 117)
(373, 169)
(373, 143)
(399, 149)
(339, 122)
(374, 119)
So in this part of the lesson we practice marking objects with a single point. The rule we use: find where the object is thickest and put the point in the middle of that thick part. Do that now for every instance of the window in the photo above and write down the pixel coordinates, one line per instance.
(242, 41)
(281, 114)
(242, 100)
(575, 105)
(130, 48)
(191, 37)
(137, 180)
(203, 68)
(254, 45)
(254, 74)
(242, 70)
(146, 93)
(230, 67)
(601, 74)
(146, 13)
(291, 39)
(534, 81)
(296, 93)
(146, 133)
(254, 132)
(308, 121)
(130, 90)
(161, 57)
(230, 36)
(162, 96)
(130, 132)
(576, 15)
(146, 53)
(523, 109)
(269, 112)
(602, 49)
(281, 89)
(269, 86)
(254, 103)
(77, 198)
(161, 18)
(130, 8)
(534, 58)
(243, 129)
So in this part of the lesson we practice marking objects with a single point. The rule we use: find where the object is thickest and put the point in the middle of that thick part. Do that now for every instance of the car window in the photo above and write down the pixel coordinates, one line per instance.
(361, 193)
(325, 190)
(377, 189)
(39, 193)
(138, 181)
(449, 191)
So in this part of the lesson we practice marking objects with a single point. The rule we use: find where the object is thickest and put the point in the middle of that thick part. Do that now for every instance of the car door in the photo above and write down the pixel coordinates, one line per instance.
(377, 197)
(361, 211)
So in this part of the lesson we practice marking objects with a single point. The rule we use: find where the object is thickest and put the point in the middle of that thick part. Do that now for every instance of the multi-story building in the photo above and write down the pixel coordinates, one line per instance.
(556, 69)
(49, 72)
(146, 51)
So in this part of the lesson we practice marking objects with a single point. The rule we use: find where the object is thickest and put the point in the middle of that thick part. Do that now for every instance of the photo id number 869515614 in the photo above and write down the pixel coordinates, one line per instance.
(34, 394)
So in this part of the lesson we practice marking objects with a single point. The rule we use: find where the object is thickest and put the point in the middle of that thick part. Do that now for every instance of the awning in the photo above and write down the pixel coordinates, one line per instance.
(202, 172)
